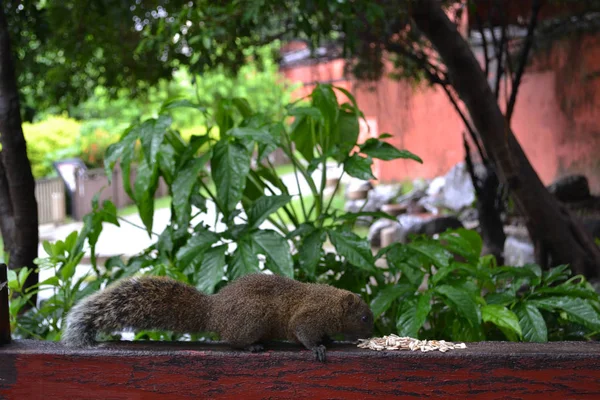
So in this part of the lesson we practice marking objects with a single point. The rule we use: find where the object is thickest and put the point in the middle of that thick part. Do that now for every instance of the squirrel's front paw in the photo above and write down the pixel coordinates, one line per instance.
(255, 348)
(320, 353)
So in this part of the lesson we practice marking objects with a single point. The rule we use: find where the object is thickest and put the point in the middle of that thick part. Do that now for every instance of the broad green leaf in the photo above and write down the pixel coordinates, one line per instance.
(243, 106)
(585, 291)
(579, 310)
(191, 253)
(146, 182)
(413, 315)
(167, 162)
(302, 136)
(385, 151)
(152, 133)
(354, 248)
(463, 242)
(212, 269)
(244, 260)
(399, 259)
(264, 207)
(560, 272)
(439, 256)
(324, 99)
(13, 282)
(461, 302)
(259, 135)
(309, 253)
(123, 149)
(405, 323)
(503, 298)
(532, 323)
(187, 177)
(277, 250)
(386, 296)
(109, 215)
(311, 112)
(223, 115)
(531, 272)
(348, 131)
(359, 167)
(181, 103)
(230, 166)
(501, 317)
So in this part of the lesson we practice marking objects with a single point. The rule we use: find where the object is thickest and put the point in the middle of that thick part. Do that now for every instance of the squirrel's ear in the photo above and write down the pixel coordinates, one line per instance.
(349, 300)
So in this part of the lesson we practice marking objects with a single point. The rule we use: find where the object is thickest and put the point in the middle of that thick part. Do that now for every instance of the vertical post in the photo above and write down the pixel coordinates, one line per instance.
(4, 318)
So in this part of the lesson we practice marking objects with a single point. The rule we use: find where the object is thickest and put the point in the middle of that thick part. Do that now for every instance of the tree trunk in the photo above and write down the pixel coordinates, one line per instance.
(18, 207)
(562, 236)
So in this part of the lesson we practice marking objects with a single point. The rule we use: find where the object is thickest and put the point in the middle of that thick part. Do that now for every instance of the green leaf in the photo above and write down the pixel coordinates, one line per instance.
(151, 134)
(277, 250)
(532, 323)
(259, 135)
(504, 298)
(191, 253)
(531, 272)
(502, 317)
(123, 150)
(212, 269)
(413, 315)
(359, 167)
(230, 166)
(185, 180)
(243, 106)
(303, 138)
(109, 215)
(146, 182)
(385, 151)
(557, 273)
(348, 131)
(585, 291)
(461, 302)
(311, 112)
(463, 242)
(310, 252)
(264, 207)
(324, 99)
(182, 103)
(354, 248)
(579, 310)
(405, 323)
(244, 260)
(399, 259)
(386, 296)
(439, 256)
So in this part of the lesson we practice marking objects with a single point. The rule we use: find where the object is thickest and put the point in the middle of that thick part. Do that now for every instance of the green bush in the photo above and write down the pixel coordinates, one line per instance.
(49, 140)
(430, 288)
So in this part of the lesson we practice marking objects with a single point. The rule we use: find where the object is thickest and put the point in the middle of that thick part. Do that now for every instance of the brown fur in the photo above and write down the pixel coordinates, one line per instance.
(245, 313)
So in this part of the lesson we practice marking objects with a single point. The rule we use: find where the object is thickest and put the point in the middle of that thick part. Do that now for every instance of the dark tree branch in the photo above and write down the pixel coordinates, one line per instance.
(535, 9)
(484, 44)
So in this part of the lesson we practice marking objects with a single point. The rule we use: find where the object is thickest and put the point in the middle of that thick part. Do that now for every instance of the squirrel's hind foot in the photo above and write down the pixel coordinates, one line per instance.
(320, 353)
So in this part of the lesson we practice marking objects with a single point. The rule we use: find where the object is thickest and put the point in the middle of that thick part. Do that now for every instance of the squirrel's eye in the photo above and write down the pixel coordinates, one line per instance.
(365, 318)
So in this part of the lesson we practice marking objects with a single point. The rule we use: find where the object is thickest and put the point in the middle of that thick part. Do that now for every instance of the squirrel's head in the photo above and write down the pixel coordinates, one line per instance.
(358, 317)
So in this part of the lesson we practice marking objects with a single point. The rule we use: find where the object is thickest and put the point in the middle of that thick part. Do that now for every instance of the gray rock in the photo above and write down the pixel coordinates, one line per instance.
(437, 225)
(518, 252)
(375, 229)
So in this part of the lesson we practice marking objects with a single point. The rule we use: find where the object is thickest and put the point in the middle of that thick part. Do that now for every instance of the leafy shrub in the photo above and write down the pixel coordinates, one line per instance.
(47, 139)
(431, 288)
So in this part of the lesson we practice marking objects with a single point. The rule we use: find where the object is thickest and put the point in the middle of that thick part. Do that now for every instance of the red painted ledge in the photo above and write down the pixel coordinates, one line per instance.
(44, 370)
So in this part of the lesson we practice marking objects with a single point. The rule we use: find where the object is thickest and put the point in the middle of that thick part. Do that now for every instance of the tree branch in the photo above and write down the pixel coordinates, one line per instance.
(535, 9)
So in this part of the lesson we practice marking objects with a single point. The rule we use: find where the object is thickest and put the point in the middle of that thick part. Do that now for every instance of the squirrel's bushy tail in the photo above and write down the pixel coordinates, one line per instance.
(138, 304)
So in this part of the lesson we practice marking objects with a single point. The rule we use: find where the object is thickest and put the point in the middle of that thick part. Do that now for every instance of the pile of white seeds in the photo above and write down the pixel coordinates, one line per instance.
(394, 342)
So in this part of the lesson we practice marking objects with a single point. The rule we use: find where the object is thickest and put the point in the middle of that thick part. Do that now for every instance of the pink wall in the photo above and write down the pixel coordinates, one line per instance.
(556, 116)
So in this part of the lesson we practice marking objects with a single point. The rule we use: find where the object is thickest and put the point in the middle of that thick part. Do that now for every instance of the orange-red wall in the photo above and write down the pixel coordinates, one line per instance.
(556, 117)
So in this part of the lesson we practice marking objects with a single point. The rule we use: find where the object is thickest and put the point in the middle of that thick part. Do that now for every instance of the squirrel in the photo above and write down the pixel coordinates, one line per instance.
(245, 313)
